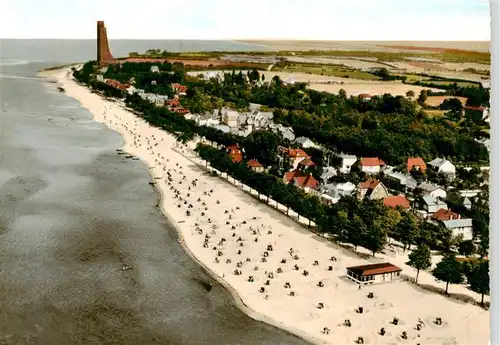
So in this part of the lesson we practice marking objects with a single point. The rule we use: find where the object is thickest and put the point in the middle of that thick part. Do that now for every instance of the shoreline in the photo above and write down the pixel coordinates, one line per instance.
(285, 313)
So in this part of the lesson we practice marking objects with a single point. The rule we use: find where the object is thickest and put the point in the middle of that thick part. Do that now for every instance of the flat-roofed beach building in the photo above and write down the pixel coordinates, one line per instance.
(374, 273)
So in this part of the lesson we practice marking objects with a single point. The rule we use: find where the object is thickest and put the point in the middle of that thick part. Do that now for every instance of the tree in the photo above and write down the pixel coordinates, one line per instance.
(479, 279)
(262, 146)
(407, 230)
(420, 259)
(422, 97)
(410, 94)
(449, 270)
(342, 94)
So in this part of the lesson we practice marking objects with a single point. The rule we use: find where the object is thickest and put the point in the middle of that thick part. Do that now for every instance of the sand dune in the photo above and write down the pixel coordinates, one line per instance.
(230, 232)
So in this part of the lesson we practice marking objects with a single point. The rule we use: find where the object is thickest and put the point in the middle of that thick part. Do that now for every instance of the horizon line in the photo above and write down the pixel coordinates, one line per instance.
(239, 39)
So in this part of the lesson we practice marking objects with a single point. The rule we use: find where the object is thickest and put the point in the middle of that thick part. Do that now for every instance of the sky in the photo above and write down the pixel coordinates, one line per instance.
(386, 20)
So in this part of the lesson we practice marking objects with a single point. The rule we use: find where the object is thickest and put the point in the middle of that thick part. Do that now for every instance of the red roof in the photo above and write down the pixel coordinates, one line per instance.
(117, 84)
(480, 108)
(290, 175)
(364, 95)
(372, 162)
(235, 153)
(295, 153)
(307, 162)
(374, 269)
(443, 214)
(369, 184)
(301, 179)
(416, 162)
(254, 163)
(172, 102)
(394, 201)
(178, 87)
(306, 181)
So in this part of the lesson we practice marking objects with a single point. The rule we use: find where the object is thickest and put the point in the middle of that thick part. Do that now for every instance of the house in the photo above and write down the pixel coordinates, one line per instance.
(428, 205)
(444, 214)
(467, 203)
(235, 153)
(395, 201)
(230, 117)
(347, 162)
(330, 193)
(460, 227)
(154, 69)
(481, 204)
(373, 189)
(407, 181)
(364, 97)
(371, 165)
(179, 89)
(255, 165)
(433, 190)
(374, 273)
(477, 112)
(346, 188)
(305, 142)
(294, 155)
(443, 166)
(306, 163)
(301, 180)
(416, 163)
(117, 85)
(328, 173)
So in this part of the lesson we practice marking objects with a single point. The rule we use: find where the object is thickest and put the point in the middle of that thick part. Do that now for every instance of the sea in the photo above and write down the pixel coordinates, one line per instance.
(73, 213)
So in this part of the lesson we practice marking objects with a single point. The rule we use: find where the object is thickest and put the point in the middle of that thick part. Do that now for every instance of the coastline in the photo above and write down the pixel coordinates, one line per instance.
(249, 300)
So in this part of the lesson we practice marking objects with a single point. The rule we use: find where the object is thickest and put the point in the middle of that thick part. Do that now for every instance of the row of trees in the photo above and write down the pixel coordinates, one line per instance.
(450, 270)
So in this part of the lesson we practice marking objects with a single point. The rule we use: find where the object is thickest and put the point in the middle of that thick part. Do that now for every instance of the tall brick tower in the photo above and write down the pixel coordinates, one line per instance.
(103, 53)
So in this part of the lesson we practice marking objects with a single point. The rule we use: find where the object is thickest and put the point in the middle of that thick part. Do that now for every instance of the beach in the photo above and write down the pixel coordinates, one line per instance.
(279, 271)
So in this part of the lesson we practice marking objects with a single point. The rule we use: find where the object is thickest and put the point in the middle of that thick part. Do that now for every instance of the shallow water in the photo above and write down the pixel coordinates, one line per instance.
(72, 212)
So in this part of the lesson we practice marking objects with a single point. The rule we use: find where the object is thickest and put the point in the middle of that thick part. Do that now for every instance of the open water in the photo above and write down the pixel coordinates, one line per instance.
(72, 212)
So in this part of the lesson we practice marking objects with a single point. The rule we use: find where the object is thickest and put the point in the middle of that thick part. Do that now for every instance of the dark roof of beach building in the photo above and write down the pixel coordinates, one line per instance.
(374, 269)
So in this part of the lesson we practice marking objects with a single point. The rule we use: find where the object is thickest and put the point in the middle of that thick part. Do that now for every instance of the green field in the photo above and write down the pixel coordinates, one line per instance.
(445, 82)
(326, 70)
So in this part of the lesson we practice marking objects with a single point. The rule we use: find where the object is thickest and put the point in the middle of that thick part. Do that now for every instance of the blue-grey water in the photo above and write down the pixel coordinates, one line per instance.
(73, 212)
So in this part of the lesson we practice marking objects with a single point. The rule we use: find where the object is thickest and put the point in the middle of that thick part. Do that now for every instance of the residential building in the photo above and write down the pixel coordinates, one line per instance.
(374, 273)
(179, 89)
(301, 180)
(433, 190)
(460, 227)
(371, 165)
(235, 153)
(373, 189)
(154, 69)
(407, 181)
(364, 96)
(346, 188)
(443, 214)
(255, 165)
(328, 173)
(230, 117)
(467, 203)
(305, 164)
(395, 201)
(416, 163)
(295, 156)
(305, 142)
(347, 162)
(442, 166)
(330, 193)
(427, 205)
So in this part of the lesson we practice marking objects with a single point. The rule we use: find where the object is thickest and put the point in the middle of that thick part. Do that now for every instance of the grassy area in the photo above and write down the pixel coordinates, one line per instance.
(326, 70)
(446, 83)
(434, 112)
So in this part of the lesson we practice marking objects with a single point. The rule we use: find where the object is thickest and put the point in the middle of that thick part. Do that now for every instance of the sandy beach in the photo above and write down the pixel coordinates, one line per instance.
(281, 272)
